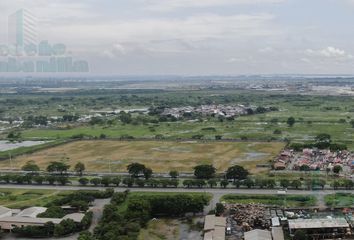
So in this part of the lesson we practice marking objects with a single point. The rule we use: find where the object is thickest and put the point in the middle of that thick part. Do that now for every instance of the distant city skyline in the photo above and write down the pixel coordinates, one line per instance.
(192, 37)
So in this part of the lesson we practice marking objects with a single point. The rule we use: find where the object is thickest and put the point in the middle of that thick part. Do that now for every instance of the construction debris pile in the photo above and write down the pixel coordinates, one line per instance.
(249, 216)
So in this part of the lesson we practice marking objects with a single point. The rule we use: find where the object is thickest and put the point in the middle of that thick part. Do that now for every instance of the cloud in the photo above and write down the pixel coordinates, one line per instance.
(266, 50)
(329, 53)
(168, 5)
(178, 33)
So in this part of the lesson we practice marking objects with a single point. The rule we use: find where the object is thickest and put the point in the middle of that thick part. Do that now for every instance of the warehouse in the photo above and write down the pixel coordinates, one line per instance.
(322, 227)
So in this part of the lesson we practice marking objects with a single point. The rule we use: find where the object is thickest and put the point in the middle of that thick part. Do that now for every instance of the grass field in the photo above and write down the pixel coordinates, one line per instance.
(287, 201)
(100, 156)
(21, 198)
(340, 200)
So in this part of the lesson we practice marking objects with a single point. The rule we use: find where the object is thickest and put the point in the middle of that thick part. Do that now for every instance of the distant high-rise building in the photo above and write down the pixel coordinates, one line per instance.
(22, 29)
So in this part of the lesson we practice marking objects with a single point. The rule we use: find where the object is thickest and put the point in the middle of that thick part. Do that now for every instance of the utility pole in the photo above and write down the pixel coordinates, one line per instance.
(11, 166)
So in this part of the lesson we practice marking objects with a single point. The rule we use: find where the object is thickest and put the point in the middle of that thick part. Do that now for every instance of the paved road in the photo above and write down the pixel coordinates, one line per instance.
(203, 190)
(216, 192)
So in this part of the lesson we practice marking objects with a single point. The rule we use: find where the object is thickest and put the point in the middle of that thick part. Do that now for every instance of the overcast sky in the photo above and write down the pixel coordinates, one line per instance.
(198, 37)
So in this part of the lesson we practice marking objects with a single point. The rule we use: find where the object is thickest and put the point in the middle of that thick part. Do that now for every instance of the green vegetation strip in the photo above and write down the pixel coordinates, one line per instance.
(22, 198)
(340, 200)
(286, 200)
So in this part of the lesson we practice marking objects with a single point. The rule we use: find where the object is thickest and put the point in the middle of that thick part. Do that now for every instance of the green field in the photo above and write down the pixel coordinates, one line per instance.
(161, 156)
(313, 114)
(274, 200)
(22, 198)
(340, 200)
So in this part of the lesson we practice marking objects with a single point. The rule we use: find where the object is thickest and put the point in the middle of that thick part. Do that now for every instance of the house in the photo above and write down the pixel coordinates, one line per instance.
(214, 228)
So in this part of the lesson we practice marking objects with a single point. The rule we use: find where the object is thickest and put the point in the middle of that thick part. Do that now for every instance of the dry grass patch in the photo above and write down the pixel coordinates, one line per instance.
(101, 156)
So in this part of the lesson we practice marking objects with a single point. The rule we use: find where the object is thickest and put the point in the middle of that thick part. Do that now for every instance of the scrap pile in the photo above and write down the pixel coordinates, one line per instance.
(250, 216)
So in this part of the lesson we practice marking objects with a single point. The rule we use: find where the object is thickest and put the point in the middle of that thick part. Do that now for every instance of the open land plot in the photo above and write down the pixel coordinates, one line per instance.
(340, 200)
(21, 198)
(273, 200)
(170, 229)
(161, 156)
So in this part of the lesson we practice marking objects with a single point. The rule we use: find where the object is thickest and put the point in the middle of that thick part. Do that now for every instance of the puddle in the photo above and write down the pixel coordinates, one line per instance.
(5, 145)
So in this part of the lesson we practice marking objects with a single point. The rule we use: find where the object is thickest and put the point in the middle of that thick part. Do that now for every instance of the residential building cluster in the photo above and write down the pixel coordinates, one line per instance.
(210, 110)
(315, 159)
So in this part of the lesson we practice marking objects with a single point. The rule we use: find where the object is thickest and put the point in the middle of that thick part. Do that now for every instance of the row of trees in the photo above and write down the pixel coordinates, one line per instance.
(54, 167)
(37, 179)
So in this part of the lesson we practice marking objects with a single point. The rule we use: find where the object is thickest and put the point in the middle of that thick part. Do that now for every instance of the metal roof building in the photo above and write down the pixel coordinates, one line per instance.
(318, 223)
(32, 212)
(214, 228)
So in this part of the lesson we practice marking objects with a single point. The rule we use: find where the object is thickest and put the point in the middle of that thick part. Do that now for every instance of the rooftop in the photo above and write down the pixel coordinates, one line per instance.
(318, 223)
(212, 221)
(19, 219)
(4, 210)
(31, 212)
(277, 233)
(76, 217)
(258, 234)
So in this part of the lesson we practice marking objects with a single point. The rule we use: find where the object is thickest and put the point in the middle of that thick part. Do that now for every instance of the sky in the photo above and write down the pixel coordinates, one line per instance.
(198, 37)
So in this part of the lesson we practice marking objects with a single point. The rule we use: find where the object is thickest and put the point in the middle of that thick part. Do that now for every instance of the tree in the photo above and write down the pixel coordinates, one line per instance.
(337, 169)
(135, 169)
(323, 137)
(204, 171)
(260, 182)
(38, 179)
(95, 181)
(65, 227)
(212, 183)
(86, 236)
(271, 183)
(174, 174)
(305, 168)
(128, 181)
(30, 166)
(323, 140)
(52, 212)
(284, 183)
(116, 181)
(63, 180)
(147, 173)
(296, 184)
(219, 209)
(125, 118)
(79, 168)
(224, 183)
(59, 167)
(106, 181)
(291, 121)
(50, 179)
(352, 123)
(248, 182)
(83, 181)
(236, 173)
(348, 184)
